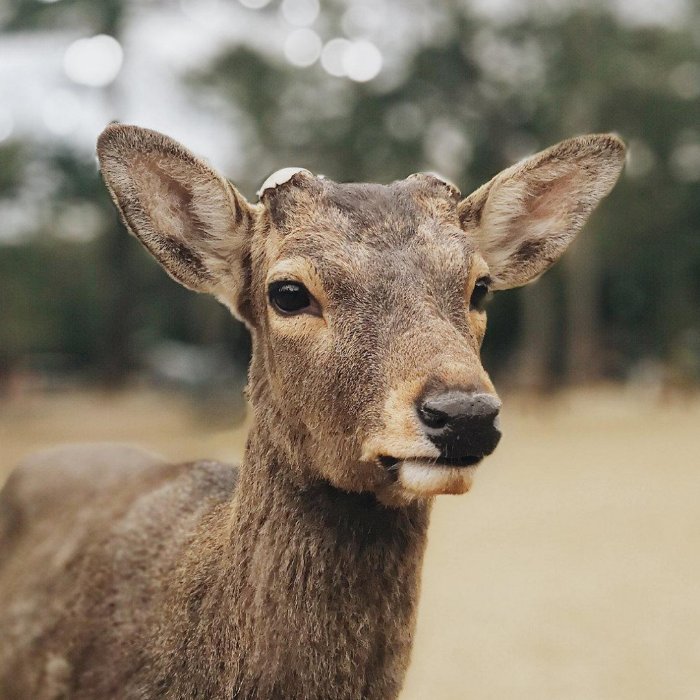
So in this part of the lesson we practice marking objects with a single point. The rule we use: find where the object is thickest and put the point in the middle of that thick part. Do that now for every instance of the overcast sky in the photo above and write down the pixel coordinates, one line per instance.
(42, 75)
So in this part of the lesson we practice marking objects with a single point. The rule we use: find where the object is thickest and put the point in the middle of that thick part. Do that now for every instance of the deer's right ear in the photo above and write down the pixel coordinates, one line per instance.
(187, 215)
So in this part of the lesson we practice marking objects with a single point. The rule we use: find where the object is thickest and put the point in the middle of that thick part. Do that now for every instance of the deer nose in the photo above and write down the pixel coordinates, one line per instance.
(462, 425)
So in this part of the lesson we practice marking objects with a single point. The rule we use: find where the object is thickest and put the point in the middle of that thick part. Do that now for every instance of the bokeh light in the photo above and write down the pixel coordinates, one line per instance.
(302, 47)
(300, 13)
(95, 61)
(359, 60)
(333, 54)
(254, 4)
(362, 61)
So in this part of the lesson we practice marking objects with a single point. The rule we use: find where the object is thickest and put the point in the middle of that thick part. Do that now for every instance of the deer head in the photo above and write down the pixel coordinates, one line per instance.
(365, 301)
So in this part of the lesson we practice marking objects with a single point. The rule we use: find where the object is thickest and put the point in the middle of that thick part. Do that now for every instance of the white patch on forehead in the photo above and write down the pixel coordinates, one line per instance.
(279, 177)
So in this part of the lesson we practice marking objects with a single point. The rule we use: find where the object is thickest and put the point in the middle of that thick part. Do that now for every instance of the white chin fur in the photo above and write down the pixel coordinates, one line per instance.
(279, 177)
(424, 478)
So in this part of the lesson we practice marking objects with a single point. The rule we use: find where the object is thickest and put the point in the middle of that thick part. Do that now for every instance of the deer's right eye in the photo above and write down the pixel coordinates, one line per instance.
(291, 298)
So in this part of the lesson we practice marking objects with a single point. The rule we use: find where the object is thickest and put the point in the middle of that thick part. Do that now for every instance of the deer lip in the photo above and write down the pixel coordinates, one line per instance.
(392, 464)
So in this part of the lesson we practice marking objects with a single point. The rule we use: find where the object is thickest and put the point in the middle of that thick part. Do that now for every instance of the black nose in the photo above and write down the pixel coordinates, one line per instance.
(462, 425)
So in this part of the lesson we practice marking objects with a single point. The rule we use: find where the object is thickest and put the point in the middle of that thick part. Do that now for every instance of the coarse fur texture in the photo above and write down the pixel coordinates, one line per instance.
(296, 576)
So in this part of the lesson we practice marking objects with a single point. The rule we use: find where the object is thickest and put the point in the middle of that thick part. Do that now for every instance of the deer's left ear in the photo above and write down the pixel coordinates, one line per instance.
(527, 215)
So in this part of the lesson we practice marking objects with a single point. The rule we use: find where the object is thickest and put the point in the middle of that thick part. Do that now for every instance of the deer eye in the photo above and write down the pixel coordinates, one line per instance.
(480, 294)
(291, 298)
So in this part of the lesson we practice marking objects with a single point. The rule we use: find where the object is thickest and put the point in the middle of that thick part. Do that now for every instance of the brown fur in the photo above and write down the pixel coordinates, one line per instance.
(124, 577)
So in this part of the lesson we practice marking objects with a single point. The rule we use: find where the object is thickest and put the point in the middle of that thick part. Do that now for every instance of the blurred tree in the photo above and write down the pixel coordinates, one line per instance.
(462, 95)
(486, 94)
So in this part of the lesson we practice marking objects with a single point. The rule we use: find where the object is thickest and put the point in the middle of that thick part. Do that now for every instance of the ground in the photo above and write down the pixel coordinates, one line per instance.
(570, 571)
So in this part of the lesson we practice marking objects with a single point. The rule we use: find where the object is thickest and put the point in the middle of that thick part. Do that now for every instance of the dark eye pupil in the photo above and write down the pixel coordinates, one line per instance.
(289, 297)
(481, 291)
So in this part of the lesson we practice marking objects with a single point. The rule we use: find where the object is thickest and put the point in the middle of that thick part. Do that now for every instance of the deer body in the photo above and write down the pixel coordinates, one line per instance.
(296, 576)
(188, 582)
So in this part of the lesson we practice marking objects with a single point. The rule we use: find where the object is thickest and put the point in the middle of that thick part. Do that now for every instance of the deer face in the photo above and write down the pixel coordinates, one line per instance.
(370, 303)
(365, 301)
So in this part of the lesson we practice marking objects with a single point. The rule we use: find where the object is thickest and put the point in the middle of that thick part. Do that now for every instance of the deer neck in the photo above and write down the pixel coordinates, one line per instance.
(329, 582)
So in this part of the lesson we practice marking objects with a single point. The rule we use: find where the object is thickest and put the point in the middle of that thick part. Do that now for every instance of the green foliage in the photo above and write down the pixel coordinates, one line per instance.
(589, 73)
(98, 17)
(13, 158)
(472, 99)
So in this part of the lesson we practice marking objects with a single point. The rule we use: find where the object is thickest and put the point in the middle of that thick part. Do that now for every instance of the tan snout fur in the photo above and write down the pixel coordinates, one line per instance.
(418, 473)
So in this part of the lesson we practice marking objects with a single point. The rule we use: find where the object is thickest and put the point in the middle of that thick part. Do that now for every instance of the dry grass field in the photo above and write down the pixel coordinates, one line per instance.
(572, 569)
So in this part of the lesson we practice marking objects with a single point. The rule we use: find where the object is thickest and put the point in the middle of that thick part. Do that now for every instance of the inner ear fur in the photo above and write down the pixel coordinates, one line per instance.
(526, 216)
(189, 217)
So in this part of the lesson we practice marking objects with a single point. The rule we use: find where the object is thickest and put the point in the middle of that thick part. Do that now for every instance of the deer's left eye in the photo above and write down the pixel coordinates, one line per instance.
(480, 295)
(290, 298)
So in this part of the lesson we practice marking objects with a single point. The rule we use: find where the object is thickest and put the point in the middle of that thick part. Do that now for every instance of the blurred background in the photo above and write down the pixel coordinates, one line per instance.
(572, 570)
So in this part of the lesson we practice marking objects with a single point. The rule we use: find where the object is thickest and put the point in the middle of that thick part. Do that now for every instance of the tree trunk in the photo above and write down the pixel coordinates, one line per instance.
(534, 358)
(582, 330)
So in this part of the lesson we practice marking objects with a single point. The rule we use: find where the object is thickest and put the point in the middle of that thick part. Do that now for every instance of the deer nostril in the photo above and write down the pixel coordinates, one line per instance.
(432, 417)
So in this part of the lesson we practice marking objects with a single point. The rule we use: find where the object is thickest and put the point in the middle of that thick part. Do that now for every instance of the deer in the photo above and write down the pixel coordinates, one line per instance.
(297, 574)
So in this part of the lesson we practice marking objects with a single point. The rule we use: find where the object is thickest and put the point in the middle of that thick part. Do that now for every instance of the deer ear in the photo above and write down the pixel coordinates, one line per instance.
(527, 215)
(189, 217)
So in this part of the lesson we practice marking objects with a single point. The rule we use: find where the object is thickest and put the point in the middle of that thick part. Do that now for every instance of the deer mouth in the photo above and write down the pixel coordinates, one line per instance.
(420, 477)
(393, 464)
